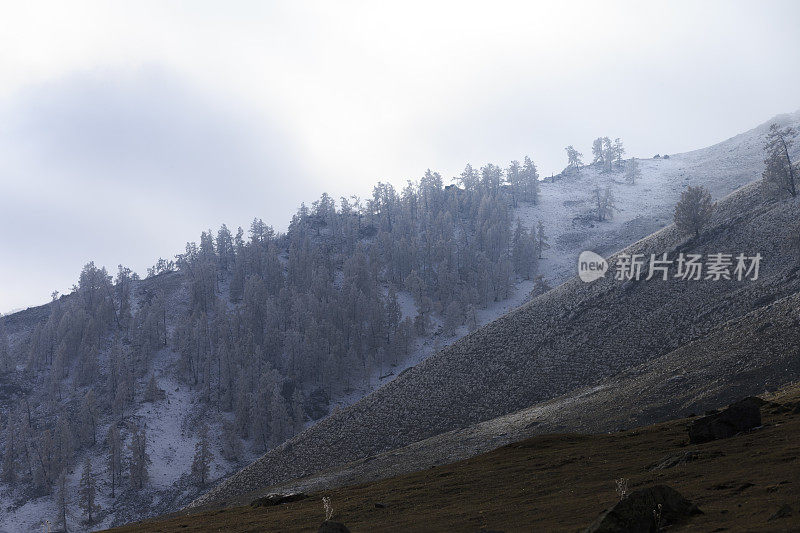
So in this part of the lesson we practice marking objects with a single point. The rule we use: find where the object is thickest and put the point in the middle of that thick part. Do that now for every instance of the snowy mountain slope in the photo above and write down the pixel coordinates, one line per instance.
(645, 207)
(565, 208)
(556, 343)
(171, 422)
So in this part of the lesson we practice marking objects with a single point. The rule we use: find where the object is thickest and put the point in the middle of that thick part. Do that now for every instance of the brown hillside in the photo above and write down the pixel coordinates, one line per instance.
(559, 482)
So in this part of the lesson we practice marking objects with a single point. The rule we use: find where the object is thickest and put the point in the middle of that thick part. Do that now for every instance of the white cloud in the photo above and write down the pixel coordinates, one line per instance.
(350, 92)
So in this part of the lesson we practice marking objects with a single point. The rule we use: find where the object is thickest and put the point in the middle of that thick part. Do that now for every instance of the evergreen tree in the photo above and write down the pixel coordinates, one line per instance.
(64, 442)
(201, 463)
(514, 178)
(469, 178)
(114, 457)
(542, 243)
(139, 460)
(598, 151)
(151, 393)
(540, 286)
(86, 492)
(62, 500)
(632, 171)
(225, 249)
(8, 472)
(472, 318)
(524, 251)
(617, 152)
(231, 445)
(122, 288)
(607, 153)
(694, 210)
(574, 158)
(780, 172)
(298, 413)
(87, 419)
(453, 317)
(604, 203)
(530, 180)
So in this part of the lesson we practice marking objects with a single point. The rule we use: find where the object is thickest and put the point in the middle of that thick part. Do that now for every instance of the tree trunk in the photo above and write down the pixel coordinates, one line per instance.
(792, 186)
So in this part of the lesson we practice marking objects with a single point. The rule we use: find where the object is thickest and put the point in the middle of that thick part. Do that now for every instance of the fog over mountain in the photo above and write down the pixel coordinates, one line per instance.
(154, 120)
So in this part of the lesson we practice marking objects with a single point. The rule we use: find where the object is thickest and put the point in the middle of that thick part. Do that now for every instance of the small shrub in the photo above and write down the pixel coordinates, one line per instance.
(622, 487)
(694, 210)
(657, 517)
(326, 503)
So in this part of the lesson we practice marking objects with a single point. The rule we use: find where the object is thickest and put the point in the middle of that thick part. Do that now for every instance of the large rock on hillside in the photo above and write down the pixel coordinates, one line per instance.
(278, 499)
(329, 526)
(740, 416)
(639, 512)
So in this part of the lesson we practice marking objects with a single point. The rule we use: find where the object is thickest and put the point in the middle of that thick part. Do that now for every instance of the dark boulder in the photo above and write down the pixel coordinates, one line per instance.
(277, 499)
(639, 512)
(329, 526)
(740, 416)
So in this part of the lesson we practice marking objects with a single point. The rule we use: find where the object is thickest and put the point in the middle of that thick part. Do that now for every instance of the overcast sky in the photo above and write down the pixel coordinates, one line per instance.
(126, 128)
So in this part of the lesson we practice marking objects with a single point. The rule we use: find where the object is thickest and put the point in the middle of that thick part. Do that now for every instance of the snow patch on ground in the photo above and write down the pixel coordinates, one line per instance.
(170, 440)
